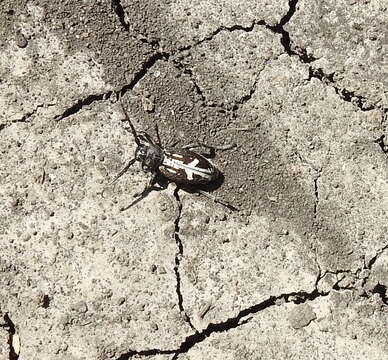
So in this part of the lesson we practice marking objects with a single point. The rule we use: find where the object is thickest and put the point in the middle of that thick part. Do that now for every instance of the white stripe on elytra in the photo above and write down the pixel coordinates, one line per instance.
(189, 168)
(175, 155)
(171, 170)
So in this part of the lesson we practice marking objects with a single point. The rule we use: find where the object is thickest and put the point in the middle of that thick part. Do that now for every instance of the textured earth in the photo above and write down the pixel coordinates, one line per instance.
(295, 268)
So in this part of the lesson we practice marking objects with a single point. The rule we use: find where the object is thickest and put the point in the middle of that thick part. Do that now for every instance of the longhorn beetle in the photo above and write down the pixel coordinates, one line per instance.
(178, 165)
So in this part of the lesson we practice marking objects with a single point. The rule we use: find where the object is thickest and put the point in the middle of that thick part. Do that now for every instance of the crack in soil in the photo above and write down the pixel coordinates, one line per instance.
(374, 258)
(13, 355)
(243, 317)
(318, 173)
(146, 66)
(381, 290)
(119, 11)
(246, 314)
(328, 79)
(25, 118)
(186, 71)
(178, 257)
(81, 103)
(151, 352)
(285, 38)
(359, 101)
(360, 275)
(316, 193)
(221, 29)
(244, 99)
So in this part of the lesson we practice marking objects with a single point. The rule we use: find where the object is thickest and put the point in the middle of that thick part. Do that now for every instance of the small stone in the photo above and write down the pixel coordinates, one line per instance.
(301, 316)
(80, 307)
(148, 104)
(326, 283)
(347, 281)
(162, 270)
(154, 326)
(15, 202)
(26, 237)
(121, 300)
(21, 40)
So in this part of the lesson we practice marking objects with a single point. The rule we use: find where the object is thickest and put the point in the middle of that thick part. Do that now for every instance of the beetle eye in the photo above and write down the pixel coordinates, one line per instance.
(145, 167)
(140, 153)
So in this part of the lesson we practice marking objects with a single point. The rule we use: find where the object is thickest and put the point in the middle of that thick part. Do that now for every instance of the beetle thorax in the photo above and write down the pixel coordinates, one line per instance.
(150, 156)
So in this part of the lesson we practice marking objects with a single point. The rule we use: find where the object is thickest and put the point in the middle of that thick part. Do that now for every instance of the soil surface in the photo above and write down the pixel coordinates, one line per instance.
(295, 267)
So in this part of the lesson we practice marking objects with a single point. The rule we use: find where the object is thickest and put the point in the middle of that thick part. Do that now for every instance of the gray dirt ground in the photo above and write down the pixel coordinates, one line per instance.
(300, 271)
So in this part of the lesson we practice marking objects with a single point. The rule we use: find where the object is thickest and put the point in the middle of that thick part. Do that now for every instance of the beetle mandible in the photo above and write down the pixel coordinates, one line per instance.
(178, 165)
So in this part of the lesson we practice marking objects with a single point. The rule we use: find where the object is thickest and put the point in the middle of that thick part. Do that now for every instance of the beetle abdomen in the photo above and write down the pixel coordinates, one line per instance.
(185, 166)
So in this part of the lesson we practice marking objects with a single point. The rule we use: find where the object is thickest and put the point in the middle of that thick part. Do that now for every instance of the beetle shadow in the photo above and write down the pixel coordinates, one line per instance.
(211, 154)
(204, 189)
(142, 196)
(209, 187)
(160, 184)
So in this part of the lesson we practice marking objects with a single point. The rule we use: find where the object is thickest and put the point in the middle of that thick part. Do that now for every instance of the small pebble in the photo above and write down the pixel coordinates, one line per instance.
(301, 316)
(26, 237)
(149, 104)
(21, 40)
(80, 307)
(15, 202)
(121, 300)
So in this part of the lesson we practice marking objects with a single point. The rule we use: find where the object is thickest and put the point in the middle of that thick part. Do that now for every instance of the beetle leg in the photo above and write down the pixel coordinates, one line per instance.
(130, 163)
(148, 187)
(142, 195)
(211, 197)
(211, 147)
(133, 130)
(159, 142)
(144, 136)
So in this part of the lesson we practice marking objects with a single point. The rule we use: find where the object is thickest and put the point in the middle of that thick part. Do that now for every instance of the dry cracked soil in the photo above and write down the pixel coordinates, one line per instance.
(297, 269)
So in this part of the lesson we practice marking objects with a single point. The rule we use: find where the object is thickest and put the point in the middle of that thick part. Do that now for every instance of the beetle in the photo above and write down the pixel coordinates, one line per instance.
(178, 165)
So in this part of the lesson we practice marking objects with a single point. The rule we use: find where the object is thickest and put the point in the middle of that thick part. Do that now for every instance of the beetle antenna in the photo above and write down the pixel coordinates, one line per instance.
(123, 171)
(130, 123)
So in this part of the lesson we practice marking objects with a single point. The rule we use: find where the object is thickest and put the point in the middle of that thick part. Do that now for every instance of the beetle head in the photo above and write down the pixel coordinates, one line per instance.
(149, 155)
